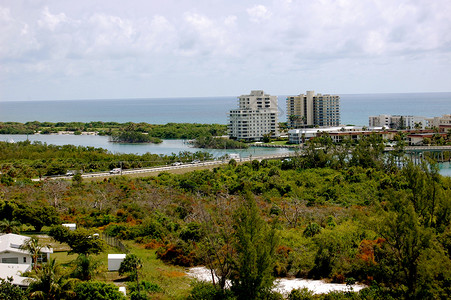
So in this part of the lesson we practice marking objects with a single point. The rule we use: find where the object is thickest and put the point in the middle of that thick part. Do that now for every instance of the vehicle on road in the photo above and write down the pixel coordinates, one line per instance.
(177, 163)
(196, 161)
(116, 171)
(70, 173)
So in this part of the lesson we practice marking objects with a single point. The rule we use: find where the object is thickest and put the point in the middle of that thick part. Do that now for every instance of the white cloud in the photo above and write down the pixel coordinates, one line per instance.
(258, 13)
(230, 43)
(50, 20)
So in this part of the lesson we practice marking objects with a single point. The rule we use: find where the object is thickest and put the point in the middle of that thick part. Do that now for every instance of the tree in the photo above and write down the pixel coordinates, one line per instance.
(33, 247)
(49, 282)
(255, 247)
(81, 240)
(7, 226)
(85, 267)
(9, 291)
(131, 264)
(94, 290)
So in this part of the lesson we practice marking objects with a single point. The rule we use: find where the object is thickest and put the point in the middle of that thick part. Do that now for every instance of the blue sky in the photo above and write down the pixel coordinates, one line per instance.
(93, 49)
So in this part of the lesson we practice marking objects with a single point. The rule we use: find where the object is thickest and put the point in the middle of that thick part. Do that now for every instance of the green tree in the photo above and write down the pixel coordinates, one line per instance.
(85, 267)
(94, 290)
(50, 283)
(9, 291)
(7, 226)
(131, 265)
(255, 246)
(33, 247)
(81, 240)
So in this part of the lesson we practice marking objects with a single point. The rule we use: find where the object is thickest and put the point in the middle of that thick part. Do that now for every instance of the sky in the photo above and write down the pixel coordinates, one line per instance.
(114, 49)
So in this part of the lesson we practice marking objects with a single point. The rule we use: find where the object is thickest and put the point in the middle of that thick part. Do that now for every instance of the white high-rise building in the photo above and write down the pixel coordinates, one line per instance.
(398, 122)
(256, 115)
(311, 109)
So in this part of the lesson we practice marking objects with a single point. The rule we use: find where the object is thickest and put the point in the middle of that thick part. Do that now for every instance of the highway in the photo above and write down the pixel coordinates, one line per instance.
(169, 168)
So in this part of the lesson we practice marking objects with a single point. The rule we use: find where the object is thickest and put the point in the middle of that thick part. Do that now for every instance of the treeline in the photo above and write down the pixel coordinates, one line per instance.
(166, 131)
(134, 137)
(28, 160)
(211, 142)
(345, 214)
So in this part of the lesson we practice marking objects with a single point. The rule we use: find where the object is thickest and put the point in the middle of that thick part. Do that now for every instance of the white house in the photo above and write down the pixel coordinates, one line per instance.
(13, 260)
(114, 261)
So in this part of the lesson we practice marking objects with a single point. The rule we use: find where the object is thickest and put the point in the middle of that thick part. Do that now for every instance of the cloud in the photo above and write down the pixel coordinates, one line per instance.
(258, 13)
(230, 42)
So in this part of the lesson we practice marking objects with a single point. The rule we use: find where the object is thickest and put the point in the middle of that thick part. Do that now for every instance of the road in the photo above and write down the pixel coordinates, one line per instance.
(170, 168)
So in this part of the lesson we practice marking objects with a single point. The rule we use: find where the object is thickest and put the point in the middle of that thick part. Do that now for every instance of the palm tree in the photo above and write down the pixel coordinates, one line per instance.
(49, 282)
(33, 247)
(7, 226)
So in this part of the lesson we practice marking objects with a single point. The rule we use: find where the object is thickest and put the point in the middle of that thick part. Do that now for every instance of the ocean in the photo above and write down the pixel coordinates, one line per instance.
(354, 108)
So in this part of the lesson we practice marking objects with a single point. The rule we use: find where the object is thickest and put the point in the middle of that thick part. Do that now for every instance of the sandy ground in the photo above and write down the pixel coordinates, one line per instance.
(285, 285)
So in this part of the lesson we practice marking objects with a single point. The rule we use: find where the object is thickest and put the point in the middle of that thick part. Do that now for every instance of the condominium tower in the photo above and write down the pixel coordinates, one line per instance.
(311, 109)
(256, 115)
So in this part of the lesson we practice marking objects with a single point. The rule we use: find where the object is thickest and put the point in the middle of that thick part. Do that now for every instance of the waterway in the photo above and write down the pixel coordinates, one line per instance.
(167, 147)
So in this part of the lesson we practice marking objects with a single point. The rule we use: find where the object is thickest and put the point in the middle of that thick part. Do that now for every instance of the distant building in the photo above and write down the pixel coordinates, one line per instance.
(311, 109)
(443, 121)
(398, 122)
(299, 136)
(256, 115)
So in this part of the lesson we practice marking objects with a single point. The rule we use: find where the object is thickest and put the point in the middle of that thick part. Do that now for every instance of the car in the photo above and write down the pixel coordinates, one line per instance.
(196, 161)
(116, 171)
(177, 163)
(70, 173)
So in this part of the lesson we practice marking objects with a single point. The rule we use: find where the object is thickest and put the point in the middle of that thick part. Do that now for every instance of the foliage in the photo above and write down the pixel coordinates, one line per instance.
(202, 290)
(85, 267)
(33, 247)
(133, 137)
(94, 290)
(9, 291)
(212, 142)
(300, 294)
(82, 241)
(8, 226)
(255, 247)
(49, 282)
(131, 265)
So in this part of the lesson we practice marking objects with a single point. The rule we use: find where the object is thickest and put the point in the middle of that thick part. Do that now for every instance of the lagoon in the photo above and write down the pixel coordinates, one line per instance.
(167, 147)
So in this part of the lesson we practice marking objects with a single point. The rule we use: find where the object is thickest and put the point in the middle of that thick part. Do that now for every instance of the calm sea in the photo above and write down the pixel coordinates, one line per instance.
(355, 108)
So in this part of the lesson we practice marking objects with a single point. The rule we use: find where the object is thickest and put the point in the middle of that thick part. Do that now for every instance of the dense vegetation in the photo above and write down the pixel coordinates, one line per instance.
(341, 212)
(133, 137)
(167, 131)
(218, 143)
(26, 160)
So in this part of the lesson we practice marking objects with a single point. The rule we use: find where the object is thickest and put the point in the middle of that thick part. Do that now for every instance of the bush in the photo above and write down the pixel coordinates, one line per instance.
(300, 294)
(93, 290)
(203, 290)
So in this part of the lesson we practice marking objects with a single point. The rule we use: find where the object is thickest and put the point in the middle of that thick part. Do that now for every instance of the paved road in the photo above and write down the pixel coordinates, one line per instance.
(170, 168)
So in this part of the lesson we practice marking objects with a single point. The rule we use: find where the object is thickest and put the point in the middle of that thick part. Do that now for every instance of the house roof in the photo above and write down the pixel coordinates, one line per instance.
(14, 271)
(11, 243)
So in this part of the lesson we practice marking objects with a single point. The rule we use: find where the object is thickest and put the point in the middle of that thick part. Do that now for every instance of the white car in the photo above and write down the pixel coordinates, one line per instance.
(116, 171)
(177, 163)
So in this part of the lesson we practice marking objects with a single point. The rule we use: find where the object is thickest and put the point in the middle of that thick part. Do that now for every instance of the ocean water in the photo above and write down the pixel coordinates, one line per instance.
(355, 108)
(167, 147)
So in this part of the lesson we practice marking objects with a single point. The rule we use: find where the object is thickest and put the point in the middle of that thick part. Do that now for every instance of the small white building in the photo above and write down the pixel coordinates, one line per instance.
(70, 226)
(114, 261)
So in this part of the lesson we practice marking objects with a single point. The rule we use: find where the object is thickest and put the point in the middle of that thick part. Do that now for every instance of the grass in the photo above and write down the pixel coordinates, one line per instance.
(171, 279)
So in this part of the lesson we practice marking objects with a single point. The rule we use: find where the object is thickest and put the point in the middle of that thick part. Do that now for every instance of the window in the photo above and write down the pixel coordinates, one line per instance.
(25, 259)
(10, 260)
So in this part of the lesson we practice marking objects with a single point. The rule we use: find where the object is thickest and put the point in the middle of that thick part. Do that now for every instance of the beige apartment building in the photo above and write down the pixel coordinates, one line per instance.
(444, 120)
(397, 121)
(311, 109)
(256, 115)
